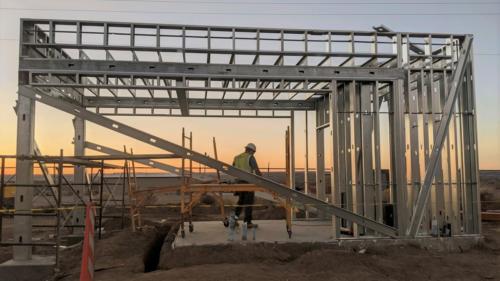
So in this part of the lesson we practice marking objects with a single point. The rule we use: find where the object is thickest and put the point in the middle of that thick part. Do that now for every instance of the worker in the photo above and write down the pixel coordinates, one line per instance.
(246, 162)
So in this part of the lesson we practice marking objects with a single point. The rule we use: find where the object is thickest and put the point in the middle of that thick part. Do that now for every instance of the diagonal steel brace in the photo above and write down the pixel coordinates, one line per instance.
(147, 162)
(282, 190)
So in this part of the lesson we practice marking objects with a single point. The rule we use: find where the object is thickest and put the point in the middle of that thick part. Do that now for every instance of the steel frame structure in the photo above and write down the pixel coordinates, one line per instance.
(384, 100)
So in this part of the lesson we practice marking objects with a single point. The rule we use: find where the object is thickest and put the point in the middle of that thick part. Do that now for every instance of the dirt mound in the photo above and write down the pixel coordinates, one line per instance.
(228, 254)
(118, 251)
(120, 256)
(325, 262)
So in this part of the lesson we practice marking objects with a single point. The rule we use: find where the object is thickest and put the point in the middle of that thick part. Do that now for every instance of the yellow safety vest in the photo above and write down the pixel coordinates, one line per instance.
(242, 162)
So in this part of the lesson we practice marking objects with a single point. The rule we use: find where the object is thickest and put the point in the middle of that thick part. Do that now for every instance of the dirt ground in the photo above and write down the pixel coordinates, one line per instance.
(121, 254)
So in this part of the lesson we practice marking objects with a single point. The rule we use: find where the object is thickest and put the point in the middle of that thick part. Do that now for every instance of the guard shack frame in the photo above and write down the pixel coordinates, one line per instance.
(407, 96)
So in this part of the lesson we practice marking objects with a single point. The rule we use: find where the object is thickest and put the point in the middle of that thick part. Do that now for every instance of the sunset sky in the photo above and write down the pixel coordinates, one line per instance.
(54, 129)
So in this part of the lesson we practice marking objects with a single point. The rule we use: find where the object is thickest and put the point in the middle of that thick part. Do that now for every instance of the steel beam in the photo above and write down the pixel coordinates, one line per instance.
(182, 97)
(334, 142)
(306, 154)
(348, 143)
(437, 195)
(24, 175)
(79, 178)
(366, 121)
(424, 102)
(414, 158)
(472, 206)
(129, 157)
(378, 162)
(204, 71)
(147, 162)
(65, 160)
(43, 167)
(472, 116)
(209, 104)
(439, 138)
(281, 53)
(320, 163)
(341, 151)
(215, 28)
(297, 197)
(398, 145)
(356, 145)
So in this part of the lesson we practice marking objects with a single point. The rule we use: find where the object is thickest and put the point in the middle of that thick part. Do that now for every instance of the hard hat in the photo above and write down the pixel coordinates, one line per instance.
(251, 146)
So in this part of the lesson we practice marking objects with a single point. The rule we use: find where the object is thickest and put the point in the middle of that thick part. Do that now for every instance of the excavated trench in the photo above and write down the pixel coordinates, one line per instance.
(165, 234)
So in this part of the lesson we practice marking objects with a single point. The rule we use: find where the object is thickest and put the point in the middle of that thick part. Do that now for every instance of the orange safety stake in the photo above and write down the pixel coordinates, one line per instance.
(87, 269)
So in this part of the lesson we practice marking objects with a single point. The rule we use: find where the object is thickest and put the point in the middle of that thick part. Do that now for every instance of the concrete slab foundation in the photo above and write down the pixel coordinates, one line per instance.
(274, 231)
(269, 231)
(39, 268)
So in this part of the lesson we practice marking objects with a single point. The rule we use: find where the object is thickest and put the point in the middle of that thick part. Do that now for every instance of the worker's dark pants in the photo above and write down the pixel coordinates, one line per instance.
(245, 198)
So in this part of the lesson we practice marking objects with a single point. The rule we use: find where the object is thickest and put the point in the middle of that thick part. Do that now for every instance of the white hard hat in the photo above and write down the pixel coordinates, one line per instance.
(251, 146)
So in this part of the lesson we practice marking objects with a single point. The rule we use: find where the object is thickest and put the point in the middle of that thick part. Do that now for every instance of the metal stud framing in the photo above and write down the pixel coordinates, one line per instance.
(379, 93)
